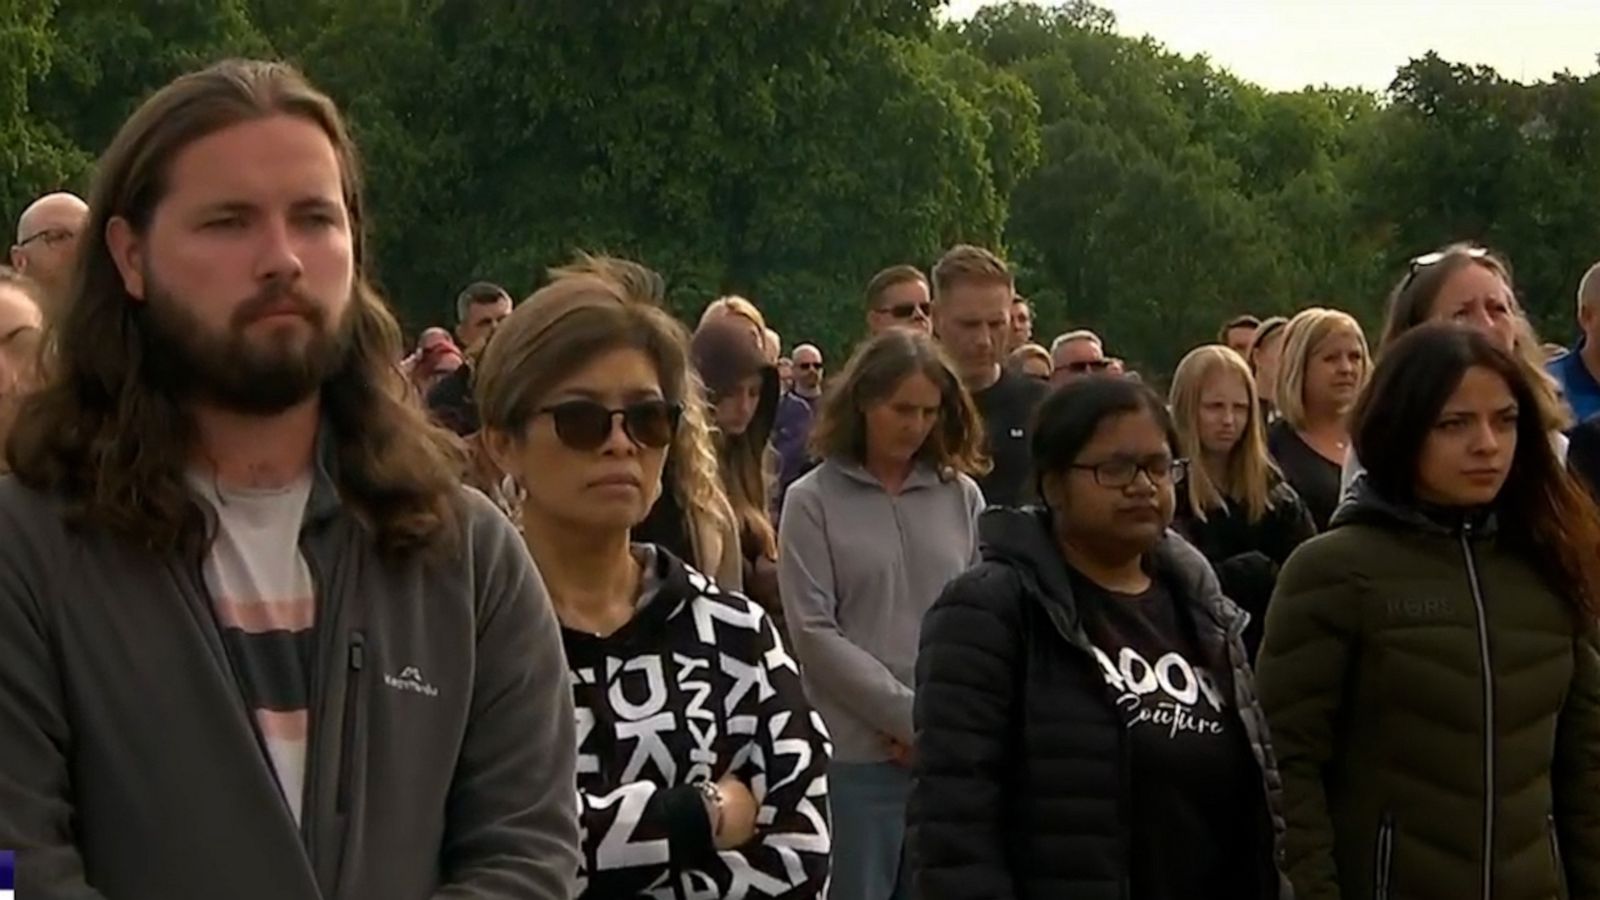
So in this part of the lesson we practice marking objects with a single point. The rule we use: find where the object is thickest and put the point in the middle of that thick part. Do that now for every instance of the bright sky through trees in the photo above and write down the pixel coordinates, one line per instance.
(1287, 44)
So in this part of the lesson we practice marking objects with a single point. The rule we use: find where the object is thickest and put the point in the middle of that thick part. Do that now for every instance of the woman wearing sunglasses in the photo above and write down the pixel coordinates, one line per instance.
(1430, 668)
(1086, 720)
(869, 538)
(1472, 286)
(701, 768)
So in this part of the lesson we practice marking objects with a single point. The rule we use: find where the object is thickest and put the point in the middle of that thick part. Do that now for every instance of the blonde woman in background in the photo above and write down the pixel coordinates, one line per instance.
(1322, 370)
(1471, 285)
(1234, 506)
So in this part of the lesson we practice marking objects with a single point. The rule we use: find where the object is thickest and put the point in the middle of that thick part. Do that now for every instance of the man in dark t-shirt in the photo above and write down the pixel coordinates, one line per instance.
(1007, 407)
(972, 296)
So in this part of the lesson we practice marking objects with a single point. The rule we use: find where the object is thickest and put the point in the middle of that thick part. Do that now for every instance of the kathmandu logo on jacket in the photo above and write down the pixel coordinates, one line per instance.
(410, 679)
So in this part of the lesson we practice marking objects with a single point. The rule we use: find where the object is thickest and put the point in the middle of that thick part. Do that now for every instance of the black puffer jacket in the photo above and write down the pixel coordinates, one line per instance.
(1021, 787)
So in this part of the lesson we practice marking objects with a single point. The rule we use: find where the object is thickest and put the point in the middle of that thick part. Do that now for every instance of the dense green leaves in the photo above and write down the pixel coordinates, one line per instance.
(787, 149)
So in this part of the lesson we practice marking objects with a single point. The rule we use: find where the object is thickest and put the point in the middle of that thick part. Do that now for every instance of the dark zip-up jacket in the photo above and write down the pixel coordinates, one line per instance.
(1022, 778)
(1435, 706)
(441, 752)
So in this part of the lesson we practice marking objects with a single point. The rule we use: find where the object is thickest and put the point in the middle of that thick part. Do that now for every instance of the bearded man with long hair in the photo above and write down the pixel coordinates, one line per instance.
(256, 642)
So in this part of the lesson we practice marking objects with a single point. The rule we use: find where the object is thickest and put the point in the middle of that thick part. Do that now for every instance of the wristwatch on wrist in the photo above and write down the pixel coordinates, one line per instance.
(711, 793)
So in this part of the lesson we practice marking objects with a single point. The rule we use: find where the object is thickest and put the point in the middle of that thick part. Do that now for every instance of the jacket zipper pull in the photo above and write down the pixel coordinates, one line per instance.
(358, 652)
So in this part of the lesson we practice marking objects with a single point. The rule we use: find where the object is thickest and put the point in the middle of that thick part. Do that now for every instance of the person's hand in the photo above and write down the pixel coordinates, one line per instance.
(900, 754)
(737, 824)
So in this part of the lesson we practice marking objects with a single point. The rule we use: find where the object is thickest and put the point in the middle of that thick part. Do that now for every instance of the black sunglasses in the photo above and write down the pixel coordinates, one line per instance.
(808, 365)
(1089, 365)
(585, 424)
(1426, 260)
(907, 310)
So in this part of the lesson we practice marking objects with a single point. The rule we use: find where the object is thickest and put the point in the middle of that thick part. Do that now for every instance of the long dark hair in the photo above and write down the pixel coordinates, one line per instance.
(100, 434)
(872, 374)
(1544, 512)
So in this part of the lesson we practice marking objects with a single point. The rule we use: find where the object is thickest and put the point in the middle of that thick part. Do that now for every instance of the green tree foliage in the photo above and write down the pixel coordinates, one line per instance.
(787, 149)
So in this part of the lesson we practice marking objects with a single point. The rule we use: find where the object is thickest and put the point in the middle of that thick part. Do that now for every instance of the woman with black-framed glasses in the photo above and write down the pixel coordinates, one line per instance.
(701, 767)
(1086, 720)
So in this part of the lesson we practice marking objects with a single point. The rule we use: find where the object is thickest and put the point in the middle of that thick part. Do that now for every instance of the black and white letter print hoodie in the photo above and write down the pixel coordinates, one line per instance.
(696, 686)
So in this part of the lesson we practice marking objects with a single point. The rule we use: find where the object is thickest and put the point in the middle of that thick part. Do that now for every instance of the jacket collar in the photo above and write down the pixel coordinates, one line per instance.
(1024, 539)
(1364, 504)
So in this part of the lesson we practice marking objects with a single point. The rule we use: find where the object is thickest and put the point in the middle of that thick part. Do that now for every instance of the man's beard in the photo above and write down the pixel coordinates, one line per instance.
(261, 374)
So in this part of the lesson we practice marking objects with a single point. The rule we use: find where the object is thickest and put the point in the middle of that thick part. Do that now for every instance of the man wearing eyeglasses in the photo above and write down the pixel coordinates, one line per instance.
(898, 297)
(1077, 354)
(47, 242)
(792, 430)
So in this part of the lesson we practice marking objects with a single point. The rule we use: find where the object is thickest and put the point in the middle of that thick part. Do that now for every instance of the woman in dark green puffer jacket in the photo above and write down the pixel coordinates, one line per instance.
(1430, 670)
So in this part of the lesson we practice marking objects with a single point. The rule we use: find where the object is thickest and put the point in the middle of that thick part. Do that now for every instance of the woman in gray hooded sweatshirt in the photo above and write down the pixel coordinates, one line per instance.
(867, 541)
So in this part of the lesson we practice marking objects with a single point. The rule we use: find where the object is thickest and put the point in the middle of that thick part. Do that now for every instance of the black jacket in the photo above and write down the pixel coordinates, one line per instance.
(697, 685)
(1020, 788)
(1246, 555)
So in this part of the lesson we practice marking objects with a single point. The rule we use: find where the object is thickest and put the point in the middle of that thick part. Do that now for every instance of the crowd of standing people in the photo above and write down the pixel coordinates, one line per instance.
(572, 600)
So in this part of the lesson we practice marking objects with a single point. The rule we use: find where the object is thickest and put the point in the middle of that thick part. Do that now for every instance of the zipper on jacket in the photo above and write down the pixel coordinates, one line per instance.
(1383, 859)
(1482, 613)
(357, 660)
(1555, 855)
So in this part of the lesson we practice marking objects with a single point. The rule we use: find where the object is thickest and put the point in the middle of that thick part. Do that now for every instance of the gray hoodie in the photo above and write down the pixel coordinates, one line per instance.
(442, 748)
(857, 569)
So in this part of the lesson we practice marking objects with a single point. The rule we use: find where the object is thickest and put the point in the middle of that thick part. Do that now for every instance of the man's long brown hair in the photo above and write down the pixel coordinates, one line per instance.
(116, 449)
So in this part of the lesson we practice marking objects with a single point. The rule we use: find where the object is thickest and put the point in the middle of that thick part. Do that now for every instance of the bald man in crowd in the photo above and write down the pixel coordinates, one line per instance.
(1578, 371)
(47, 243)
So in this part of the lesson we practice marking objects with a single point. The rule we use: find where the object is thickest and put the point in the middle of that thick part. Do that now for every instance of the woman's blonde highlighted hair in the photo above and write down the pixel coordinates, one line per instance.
(593, 306)
(1249, 471)
(873, 373)
(1301, 337)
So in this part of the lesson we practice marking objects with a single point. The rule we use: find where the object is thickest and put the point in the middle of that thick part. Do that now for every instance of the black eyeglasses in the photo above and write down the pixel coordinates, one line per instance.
(1122, 471)
(50, 236)
(907, 310)
(808, 366)
(1419, 263)
(1085, 366)
(585, 424)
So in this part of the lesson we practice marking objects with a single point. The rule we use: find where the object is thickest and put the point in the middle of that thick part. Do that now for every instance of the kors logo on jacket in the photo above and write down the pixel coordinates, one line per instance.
(1421, 608)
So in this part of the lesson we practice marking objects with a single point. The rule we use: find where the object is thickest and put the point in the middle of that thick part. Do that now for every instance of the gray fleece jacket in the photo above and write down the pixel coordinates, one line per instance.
(442, 748)
(857, 569)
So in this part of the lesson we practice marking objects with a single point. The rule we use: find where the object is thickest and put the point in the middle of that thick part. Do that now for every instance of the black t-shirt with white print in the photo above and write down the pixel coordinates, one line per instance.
(1191, 771)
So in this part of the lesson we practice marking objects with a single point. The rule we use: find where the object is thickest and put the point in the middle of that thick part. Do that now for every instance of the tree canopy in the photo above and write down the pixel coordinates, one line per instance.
(788, 149)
